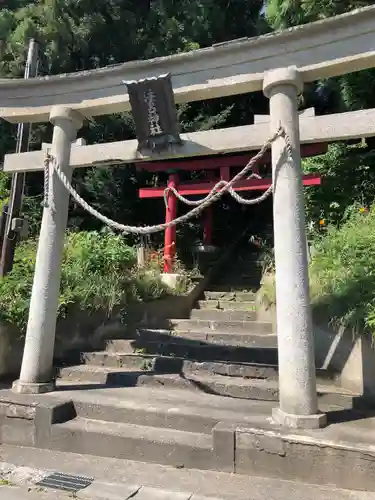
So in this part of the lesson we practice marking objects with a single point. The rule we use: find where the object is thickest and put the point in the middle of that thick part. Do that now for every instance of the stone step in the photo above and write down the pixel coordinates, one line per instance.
(136, 442)
(240, 288)
(235, 387)
(241, 271)
(147, 335)
(241, 388)
(173, 409)
(227, 305)
(237, 285)
(260, 367)
(220, 315)
(239, 277)
(239, 362)
(198, 325)
(263, 352)
(316, 460)
(246, 370)
(233, 296)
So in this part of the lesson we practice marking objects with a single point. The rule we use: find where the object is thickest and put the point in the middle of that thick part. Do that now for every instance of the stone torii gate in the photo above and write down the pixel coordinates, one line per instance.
(279, 64)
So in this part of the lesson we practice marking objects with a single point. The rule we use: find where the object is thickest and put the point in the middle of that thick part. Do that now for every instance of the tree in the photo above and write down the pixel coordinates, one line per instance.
(80, 35)
(348, 171)
(282, 14)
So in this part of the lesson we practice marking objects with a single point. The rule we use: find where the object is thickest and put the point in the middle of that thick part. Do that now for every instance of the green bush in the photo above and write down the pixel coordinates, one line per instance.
(342, 272)
(98, 272)
(348, 177)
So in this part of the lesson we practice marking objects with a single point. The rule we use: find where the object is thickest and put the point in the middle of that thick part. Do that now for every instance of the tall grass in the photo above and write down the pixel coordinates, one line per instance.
(342, 272)
(98, 272)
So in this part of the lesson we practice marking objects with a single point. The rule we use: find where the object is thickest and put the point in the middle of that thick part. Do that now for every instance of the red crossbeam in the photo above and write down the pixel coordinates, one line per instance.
(210, 162)
(205, 187)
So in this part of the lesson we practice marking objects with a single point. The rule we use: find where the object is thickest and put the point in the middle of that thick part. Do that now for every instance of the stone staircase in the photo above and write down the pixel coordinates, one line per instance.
(222, 349)
(196, 393)
(169, 395)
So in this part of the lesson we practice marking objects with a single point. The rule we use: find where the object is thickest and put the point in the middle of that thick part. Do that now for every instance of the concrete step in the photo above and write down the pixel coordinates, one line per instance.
(220, 315)
(233, 296)
(313, 465)
(240, 288)
(253, 389)
(220, 385)
(239, 277)
(147, 335)
(239, 272)
(222, 325)
(226, 305)
(200, 346)
(173, 409)
(260, 363)
(170, 355)
(136, 442)
(237, 285)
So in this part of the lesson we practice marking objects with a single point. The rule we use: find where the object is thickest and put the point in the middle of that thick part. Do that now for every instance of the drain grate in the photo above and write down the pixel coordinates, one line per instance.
(65, 482)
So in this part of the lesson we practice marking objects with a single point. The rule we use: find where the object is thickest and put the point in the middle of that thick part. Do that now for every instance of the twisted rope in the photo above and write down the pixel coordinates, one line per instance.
(219, 185)
(48, 159)
(211, 198)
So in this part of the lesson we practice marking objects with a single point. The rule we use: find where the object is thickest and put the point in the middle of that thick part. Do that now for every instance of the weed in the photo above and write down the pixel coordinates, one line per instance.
(342, 272)
(5, 482)
(98, 272)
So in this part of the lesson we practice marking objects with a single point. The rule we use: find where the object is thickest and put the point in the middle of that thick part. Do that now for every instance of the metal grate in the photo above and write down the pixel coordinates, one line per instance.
(65, 482)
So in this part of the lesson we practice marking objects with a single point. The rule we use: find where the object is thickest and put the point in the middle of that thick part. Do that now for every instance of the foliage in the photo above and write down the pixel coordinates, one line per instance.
(342, 272)
(348, 171)
(284, 13)
(348, 176)
(4, 189)
(79, 35)
(98, 272)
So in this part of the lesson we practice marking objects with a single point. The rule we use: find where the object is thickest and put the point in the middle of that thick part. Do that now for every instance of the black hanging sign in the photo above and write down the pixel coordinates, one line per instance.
(154, 112)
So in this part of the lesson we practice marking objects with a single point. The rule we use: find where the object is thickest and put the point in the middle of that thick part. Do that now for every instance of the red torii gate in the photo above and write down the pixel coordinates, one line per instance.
(203, 187)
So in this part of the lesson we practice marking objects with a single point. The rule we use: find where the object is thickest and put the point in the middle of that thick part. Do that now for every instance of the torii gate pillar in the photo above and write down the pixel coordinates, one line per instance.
(36, 372)
(297, 379)
(170, 232)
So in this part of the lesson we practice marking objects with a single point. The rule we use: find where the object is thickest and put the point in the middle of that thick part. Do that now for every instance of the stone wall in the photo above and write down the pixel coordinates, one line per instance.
(349, 355)
(11, 350)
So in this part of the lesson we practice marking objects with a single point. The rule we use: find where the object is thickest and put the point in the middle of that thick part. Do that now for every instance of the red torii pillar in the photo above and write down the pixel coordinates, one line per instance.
(170, 232)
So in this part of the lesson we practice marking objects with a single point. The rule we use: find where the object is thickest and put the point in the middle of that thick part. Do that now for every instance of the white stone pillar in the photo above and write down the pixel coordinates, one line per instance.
(297, 380)
(36, 371)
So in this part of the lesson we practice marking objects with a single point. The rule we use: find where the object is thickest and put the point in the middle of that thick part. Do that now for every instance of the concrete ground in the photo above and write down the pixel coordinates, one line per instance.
(21, 468)
(21, 493)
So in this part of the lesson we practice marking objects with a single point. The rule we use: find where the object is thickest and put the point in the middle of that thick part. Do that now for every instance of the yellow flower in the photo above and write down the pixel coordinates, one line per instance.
(322, 222)
(363, 210)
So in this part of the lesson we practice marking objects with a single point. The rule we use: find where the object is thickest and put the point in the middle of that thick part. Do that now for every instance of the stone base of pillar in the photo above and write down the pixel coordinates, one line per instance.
(29, 388)
(299, 421)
